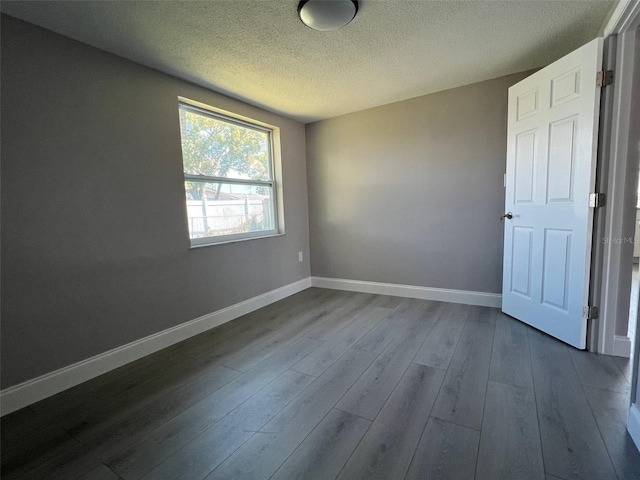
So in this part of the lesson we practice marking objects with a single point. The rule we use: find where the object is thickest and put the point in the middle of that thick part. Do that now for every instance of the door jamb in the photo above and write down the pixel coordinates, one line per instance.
(610, 271)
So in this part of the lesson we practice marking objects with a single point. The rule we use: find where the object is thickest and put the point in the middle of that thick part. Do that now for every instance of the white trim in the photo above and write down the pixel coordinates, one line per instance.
(31, 391)
(193, 247)
(411, 291)
(633, 424)
(614, 303)
(623, 18)
(198, 242)
(621, 346)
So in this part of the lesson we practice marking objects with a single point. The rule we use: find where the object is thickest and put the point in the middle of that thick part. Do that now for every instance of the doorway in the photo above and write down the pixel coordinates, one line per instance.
(617, 288)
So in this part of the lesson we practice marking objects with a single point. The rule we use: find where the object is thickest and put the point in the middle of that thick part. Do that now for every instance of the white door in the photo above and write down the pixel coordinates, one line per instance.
(551, 160)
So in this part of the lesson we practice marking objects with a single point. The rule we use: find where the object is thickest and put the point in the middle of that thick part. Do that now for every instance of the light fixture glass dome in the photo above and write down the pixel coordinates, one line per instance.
(325, 15)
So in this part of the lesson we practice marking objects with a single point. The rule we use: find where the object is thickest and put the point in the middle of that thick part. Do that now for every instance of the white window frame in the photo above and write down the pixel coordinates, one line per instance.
(274, 182)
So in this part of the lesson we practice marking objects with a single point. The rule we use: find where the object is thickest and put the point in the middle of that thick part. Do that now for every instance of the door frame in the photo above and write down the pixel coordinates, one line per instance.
(618, 178)
(612, 286)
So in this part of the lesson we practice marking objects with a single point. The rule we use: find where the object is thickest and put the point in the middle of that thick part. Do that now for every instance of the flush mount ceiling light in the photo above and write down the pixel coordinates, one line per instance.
(325, 15)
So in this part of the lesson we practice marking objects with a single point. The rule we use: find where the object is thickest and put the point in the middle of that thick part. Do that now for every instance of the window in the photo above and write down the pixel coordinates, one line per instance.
(229, 178)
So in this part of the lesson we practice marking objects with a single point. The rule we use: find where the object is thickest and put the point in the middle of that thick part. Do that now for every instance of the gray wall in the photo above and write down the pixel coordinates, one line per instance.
(411, 192)
(95, 249)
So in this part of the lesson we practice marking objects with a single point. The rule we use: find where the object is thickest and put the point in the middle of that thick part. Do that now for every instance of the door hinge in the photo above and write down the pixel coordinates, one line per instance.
(591, 313)
(597, 200)
(604, 78)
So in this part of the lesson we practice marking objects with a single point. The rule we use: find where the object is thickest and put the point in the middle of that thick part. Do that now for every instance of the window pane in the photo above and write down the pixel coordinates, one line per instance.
(217, 209)
(216, 148)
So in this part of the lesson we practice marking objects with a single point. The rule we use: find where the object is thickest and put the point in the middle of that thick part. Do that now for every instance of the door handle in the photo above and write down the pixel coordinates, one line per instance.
(508, 215)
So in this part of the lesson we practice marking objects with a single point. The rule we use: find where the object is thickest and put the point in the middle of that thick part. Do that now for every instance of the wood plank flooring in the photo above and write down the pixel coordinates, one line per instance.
(340, 385)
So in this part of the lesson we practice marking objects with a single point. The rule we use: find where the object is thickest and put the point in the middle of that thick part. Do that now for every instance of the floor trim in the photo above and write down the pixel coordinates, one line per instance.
(31, 391)
(411, 291)
(621, 346)
(633, 424)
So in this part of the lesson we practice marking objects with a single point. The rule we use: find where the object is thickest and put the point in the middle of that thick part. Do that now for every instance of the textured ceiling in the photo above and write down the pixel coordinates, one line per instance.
(259, 50)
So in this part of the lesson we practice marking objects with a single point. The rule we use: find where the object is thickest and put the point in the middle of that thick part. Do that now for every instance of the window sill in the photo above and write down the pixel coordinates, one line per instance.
(235, 240)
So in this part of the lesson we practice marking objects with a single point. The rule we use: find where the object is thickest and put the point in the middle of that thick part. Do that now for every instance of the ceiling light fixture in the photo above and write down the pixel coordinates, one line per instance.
(326, 15)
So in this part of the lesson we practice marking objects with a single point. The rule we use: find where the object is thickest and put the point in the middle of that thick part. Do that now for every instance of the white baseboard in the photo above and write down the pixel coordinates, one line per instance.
(621, 346)
(31, 391)
(411, 291)
(633, 424)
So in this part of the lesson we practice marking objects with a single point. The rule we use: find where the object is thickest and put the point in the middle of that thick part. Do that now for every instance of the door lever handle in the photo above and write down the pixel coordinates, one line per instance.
(508, 215)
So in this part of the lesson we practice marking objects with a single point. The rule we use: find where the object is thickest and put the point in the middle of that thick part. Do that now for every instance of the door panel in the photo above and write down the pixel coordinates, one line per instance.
(565, 87)
(551, 152)
(522, 250)
(525, 163)
(561, 160)
(555, 274)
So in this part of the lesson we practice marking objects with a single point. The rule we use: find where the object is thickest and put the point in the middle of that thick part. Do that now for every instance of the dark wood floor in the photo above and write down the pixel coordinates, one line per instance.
(328, 384)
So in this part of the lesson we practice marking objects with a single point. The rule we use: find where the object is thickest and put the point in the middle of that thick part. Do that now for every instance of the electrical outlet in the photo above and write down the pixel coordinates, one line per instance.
(300, 256)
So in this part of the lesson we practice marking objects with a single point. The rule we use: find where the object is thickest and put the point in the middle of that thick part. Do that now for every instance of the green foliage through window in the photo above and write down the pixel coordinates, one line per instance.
(229, 184)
